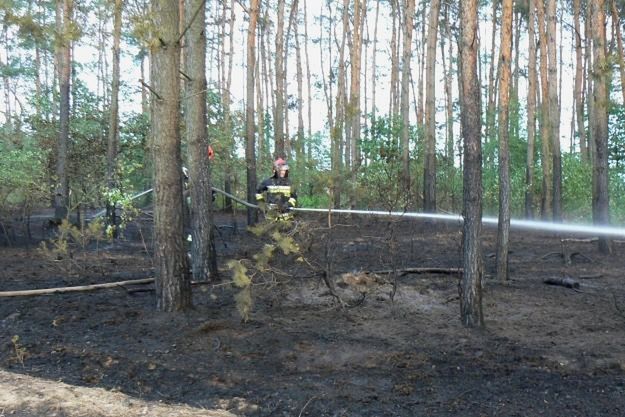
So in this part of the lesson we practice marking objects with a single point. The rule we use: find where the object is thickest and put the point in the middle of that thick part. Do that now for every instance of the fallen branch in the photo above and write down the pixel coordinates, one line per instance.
(595, 276)
(79, 288)
(406, 271)
(573, 240)
(564, 282)
(92, 287)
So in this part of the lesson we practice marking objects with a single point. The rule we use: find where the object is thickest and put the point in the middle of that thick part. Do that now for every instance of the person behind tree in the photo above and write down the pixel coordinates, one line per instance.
(277, 191)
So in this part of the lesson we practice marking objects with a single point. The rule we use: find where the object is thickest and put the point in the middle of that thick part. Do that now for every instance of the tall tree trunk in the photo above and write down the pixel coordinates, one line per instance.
(113, 135)
(449, 107)
(514, 92)
(264, 92)
(374, 69)
(554, 110)
(429, 172)
(279, 149)
(308, 79)
(579, 79)
(260, 96)
(503, 227)
(419, 96)
(545, 122)
(250, 138)
(327, 85)
(354, 112)
(225, 63)
(288, 145)
(173, 284)
(588, 34)
(409, 12)
(616, 22)
(531, 113)
(204, 257)
(299, 146)
(471, 314)
(145, 106)
(494, 63)
(601, 207)
(337, 131)
(394, 61)
(63, 63)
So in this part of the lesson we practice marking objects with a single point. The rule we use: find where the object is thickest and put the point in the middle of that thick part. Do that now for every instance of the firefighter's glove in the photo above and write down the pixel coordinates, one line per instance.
(292, 202)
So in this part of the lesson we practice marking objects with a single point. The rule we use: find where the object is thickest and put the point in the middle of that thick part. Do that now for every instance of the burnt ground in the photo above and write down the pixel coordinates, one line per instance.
(396, 347)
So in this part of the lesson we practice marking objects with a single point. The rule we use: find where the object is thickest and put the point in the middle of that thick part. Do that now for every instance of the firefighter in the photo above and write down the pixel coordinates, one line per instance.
(276, 191)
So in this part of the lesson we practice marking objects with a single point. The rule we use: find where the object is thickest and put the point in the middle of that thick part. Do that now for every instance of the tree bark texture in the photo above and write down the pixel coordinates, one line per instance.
(63, 62)
(173, 285)
(203, 255)
(554, 110)
(545, 121)
(579, 80)
(405, 94)
(616, 21)
(471, 314)
(113, 134)
(531, 113)
(429, 172)
(601, 213)
(250, 131)
(503, 225)
(279, 150)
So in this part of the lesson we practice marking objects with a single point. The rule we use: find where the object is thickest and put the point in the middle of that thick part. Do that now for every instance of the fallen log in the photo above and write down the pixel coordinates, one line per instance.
(93, 287)
(567, 282)
(424, 270)
(574, 240)
(78, 288)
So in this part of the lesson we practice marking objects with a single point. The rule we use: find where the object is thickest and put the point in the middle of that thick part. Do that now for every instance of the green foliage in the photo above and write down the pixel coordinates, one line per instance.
(576, 188)
(616, 139)
(59, 250)
(22, 173)
(280, 239)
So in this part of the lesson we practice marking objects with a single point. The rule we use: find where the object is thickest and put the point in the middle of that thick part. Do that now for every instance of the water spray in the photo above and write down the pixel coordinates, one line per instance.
(543, 226)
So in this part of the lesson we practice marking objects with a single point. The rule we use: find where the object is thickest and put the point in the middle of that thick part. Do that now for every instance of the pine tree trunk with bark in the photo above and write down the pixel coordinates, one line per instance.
(503, 225)
(173, 284)
(203, 253)
(250, 131)
(545, 121)
(554, 110)
(405, 94)
(113, 134)
(471, 314)
(616, 21)
(578, 90)
(601, 206)
(354, 110)
(531, 113)
(429, 172)
(63, 63)
(279, 149)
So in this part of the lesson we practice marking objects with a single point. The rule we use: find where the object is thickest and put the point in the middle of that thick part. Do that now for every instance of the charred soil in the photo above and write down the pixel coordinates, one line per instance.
(392, 346)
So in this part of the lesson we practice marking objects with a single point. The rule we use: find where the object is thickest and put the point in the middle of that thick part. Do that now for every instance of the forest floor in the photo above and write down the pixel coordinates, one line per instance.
(395, 347)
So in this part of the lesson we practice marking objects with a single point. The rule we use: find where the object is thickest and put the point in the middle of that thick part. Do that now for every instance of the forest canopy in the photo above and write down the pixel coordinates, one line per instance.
(361, 97)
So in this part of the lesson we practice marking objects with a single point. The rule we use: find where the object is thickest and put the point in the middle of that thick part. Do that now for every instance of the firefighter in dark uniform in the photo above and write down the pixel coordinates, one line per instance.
(277, 192)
